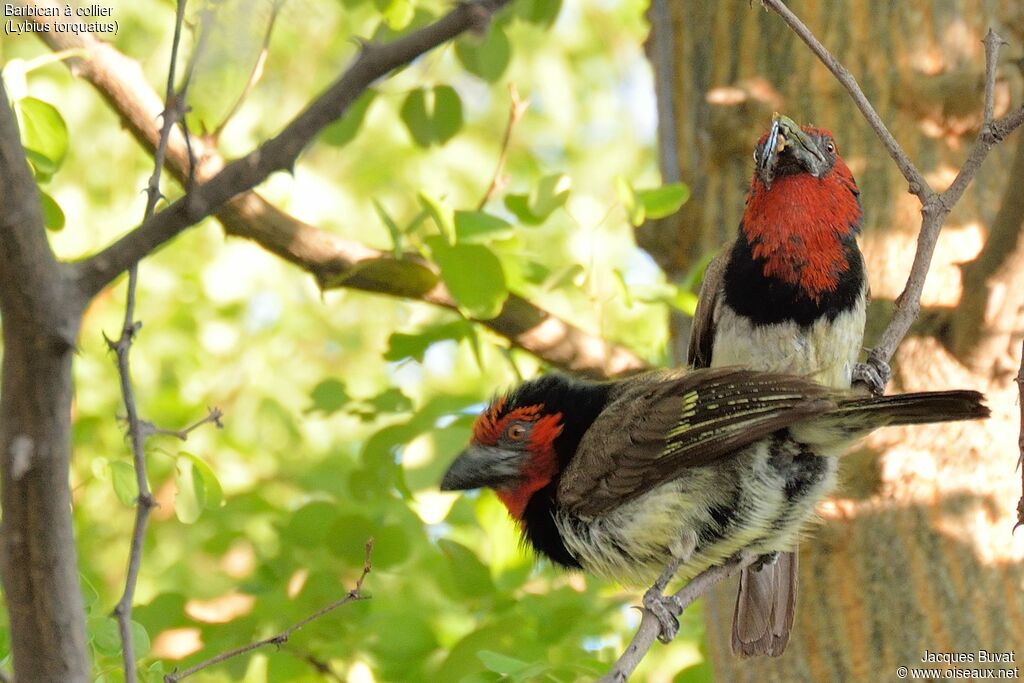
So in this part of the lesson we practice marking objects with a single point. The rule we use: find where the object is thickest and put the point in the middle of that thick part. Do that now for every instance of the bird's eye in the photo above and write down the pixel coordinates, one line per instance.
(516, 432)
(831, 147)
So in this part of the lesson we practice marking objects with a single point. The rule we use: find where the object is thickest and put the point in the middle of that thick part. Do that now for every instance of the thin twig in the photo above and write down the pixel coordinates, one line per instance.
(649, 628)
(122, 349)
(282, 637)
(935, 207)
(516, 112)
(255, 75)
(213, 415)
(1020, 439)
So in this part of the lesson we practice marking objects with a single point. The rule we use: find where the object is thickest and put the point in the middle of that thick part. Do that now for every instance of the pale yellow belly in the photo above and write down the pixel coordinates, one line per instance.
(825, 351)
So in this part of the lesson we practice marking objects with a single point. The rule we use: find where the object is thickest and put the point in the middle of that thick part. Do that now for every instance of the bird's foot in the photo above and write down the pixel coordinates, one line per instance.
(666, 609)
(874, 375)
(765, 560)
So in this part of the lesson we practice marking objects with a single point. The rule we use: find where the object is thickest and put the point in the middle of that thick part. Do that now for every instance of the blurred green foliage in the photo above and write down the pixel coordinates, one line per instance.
(342, 409)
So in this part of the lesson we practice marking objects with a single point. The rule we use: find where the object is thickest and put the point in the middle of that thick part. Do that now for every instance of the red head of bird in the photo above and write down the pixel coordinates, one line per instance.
(803, 207)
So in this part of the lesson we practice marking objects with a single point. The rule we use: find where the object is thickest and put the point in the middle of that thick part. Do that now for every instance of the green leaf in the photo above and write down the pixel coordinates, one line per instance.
(471, 577)
(473, 275)
(447, 113)
(342, 131)
(396, 13)
(478, 226)
(502, 664)
(402, 346)
(663, 201)
(432, 116)
(486, 57)
(213, 492)
(620, 279)
(635, 210)
(53, 215)
(44, 133)
(140, 639)
(442, 214)
(122, 474)
(392, 226)
(543, 12)
(328, 397)
(104, 636)
(198, 488)
(551, 193)
(416, 117)
(519, 205)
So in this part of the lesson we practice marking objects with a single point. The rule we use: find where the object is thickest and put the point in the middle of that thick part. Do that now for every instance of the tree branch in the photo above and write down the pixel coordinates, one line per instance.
(649, 626)
(31, 285)
(1020, 439)
(332, 260)
(282, 637)
(516, 112)
(173, 110)
(935, 207)
(280, 152)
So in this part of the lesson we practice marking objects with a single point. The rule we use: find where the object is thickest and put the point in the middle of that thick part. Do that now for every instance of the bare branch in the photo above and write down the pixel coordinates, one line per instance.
(649, 627)
(918, 185)
(282, 637)
(280, 152)
(213, 415)
(173, 110)
(935, 207)
(1020, 439)
(31, 288)
(516, 112)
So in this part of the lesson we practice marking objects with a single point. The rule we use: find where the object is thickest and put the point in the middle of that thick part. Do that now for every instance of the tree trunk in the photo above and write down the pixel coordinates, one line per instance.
(915, 552)
(40, 570)
(41, 310)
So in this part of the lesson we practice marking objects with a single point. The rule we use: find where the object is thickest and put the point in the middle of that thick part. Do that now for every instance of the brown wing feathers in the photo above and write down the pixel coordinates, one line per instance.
(662, 423)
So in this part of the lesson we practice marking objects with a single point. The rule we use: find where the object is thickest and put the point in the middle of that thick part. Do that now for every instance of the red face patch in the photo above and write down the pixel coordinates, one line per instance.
(541, 463)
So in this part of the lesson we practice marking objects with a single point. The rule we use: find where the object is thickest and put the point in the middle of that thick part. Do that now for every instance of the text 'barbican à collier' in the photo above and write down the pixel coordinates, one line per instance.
(67, 11)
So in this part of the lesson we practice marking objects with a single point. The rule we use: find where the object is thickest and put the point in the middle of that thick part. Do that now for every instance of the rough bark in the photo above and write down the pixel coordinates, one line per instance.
(40, 318)
(915, 551)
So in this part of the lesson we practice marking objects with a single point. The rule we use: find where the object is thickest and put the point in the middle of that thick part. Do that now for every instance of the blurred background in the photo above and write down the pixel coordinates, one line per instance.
(342, 408)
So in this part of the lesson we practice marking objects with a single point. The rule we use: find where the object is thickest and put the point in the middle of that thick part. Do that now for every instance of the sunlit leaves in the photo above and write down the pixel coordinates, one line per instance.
(402, 345)
(542, 12)
(442, 214)
(550, 193)
(198, 488)
(654, 203)
(126, 487)
(473, 275)
(397, 14)
(477, 226)
(432, 115)
(44, 135)
(487, 56)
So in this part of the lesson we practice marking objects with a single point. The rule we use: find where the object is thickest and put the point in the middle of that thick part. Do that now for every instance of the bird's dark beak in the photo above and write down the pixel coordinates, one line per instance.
(479, 466)
(788, 143)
